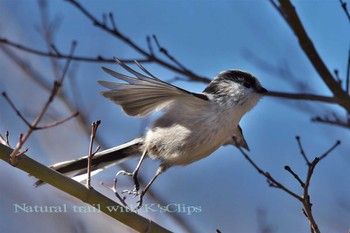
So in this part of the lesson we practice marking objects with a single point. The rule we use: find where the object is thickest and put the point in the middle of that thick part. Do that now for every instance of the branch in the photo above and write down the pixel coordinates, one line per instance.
(13, 106)
(272, 181)
(287, 168)
(302, 152)
(306, 44)
(81, 192)
(91, 154)
(151, 58)
(305, 199)
(311, 167)
(168, 55)
(303, 96)
(59, 55)
(149, 55)
(347, 80)
(325, 154)
(344, 6)
(297, 96)
(5, 141)
(56, 123)
(56, 87)
(336, 121)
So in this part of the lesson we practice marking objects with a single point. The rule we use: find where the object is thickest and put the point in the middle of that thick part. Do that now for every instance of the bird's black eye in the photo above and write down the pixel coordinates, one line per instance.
(247, 85)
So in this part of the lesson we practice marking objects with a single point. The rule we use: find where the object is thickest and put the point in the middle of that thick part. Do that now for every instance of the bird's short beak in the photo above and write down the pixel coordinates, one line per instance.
(262, 90)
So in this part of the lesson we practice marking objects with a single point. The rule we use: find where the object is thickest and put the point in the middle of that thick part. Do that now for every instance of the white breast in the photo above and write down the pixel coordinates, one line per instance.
(194, 136)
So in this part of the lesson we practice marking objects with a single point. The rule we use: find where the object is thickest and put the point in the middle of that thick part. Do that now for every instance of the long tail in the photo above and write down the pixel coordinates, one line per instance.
(100, 161)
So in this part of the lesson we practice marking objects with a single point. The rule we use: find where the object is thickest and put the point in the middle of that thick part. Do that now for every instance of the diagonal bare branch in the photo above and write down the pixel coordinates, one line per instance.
(309, 49)
(345, 8)
(87, 195)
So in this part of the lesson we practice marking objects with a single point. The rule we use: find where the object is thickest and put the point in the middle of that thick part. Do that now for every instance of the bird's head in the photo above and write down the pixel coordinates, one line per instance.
(235, 88)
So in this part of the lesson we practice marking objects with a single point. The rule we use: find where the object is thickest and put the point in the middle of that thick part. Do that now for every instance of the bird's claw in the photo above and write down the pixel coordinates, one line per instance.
(134, 177)
(135, 194)
(131, 192)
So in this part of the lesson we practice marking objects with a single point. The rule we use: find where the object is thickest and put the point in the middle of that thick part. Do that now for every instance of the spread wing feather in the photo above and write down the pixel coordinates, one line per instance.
(143, 95)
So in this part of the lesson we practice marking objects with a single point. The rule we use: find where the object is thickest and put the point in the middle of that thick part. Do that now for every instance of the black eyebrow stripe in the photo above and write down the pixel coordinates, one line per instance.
(238, 76)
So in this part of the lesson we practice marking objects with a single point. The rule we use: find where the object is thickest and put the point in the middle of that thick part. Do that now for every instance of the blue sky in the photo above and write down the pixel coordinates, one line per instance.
(208, 37)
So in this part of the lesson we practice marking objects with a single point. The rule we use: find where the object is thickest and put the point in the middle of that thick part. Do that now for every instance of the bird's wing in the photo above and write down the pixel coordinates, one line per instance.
(142, 95)
(237, 139)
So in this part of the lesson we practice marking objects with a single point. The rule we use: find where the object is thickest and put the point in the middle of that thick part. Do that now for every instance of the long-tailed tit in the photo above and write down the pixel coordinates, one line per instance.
(193, 126)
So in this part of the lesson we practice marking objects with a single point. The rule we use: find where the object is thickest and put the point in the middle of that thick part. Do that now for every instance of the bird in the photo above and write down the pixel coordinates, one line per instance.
(192, 126)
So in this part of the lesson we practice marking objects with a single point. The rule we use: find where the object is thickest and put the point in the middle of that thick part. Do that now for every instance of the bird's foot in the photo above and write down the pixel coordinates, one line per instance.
(135, 179)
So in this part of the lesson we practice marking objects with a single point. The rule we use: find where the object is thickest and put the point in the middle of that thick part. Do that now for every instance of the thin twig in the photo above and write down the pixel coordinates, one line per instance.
(336, 73)
(303, 96)
(287, 168)
(94, 127)
(5, 141)
(22, 152)
(111, 18)
(7, 138)
(74, 44)
(347, 81)
(167, 54)
(306, 197)
(273, 181)
(149, 44)
(54, 48)
(344, 6)
(335, 122)
(279, 9)
(56, 123)
(114, 190)
(47, 29)
(302, 152)
(54, 91)
(337, 143)
(104, 19)
(58, 55)
(19, 114)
